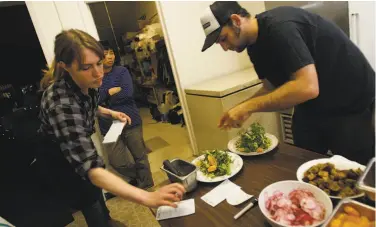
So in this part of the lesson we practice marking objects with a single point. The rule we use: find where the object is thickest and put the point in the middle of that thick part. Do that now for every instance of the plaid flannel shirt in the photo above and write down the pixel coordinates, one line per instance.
(69, 115)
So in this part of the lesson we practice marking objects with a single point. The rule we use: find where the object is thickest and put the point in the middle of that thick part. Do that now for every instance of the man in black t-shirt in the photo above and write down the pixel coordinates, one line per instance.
(306, 62)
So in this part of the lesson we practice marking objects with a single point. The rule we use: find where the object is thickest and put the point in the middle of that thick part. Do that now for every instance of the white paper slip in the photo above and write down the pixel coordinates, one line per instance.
(5, 223)
(185, 207)
(238, 196)
(114, 132)
(219, 193)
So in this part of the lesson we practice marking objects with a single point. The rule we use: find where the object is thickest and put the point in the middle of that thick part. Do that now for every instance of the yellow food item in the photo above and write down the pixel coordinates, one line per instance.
(351, 218)
(351, 211)
(212, 168)
(198, 163)
(212, 160)
(364, 222)
(349, 224)
(259, 150)
(336, 223)
(342, 216)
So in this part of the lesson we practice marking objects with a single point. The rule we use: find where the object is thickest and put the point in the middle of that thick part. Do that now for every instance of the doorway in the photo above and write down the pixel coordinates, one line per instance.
(133, 28)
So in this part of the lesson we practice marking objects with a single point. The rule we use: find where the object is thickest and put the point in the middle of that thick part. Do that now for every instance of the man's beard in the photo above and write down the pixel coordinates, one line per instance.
(237, 32)
(242, 45)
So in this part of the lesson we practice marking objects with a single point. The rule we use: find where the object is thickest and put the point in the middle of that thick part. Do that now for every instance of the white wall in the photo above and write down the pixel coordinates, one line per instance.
(47, 25)
(50, 18)
(182, 21)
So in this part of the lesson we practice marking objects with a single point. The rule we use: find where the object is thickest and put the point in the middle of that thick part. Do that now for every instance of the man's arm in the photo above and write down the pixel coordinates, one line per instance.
(304, 86)
(266, 88)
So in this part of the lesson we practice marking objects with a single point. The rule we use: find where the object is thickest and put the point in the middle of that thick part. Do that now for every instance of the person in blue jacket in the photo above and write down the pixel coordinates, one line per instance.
(117, 93)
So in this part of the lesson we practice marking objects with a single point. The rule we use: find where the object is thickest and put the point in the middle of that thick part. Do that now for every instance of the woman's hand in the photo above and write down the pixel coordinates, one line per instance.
(120, 116)
(165, 196)
(114, 90)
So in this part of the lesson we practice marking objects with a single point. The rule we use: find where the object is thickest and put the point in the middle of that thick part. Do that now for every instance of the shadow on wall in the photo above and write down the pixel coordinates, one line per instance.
(22, 58)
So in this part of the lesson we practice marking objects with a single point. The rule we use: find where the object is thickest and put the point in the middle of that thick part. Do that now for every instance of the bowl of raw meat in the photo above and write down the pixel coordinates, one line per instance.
(294, 203)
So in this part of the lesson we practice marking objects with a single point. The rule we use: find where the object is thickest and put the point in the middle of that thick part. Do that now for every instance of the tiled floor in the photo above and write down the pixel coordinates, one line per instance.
(175, 135)
(177, 147)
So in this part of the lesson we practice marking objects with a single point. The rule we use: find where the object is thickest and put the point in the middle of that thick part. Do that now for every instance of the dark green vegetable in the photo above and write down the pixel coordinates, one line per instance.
(223, 162)
(333, 181)
(253, 139)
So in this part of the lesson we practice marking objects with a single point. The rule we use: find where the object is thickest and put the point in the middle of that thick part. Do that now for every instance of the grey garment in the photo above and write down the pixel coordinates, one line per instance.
(121, 159)
(129, 157)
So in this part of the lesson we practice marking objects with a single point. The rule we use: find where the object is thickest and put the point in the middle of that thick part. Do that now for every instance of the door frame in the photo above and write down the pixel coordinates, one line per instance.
(181, 94)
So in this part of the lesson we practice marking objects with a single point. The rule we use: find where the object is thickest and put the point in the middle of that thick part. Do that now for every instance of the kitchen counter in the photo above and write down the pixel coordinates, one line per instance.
(225, 85)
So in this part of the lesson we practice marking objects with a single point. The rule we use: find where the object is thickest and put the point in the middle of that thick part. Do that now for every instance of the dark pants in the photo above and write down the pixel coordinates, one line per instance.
(97, 214)
(352, 135)
(133, 139)
(62, 182)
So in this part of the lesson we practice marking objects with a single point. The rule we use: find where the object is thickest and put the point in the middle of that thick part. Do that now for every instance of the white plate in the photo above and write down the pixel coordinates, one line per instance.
(338, 161)
(235, 167)
(232, 146)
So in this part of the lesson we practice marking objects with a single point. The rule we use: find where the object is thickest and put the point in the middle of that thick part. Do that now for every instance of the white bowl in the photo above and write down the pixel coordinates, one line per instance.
(286, 187)
(338, 161)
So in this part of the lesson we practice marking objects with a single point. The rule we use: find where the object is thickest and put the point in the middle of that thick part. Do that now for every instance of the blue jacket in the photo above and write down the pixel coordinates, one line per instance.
(122, 101)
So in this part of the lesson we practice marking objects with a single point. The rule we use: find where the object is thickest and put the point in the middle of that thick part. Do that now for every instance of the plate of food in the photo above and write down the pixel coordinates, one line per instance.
(254, 141)
(337, 176)
(217, 165)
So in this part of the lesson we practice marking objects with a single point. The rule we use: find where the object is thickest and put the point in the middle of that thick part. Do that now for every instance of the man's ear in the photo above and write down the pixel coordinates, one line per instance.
(236, 20)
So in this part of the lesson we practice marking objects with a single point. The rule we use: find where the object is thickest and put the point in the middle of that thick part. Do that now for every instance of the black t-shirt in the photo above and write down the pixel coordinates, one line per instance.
(290, 38)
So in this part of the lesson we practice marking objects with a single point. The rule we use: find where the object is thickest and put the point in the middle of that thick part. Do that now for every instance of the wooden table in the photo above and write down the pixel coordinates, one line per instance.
(257, 173)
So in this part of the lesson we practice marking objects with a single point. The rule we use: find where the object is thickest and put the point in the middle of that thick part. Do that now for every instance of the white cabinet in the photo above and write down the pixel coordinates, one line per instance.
(362, 27)
(208, 101)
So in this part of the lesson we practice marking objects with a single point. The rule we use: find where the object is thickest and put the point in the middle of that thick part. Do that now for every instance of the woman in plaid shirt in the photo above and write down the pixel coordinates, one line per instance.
(69, 103)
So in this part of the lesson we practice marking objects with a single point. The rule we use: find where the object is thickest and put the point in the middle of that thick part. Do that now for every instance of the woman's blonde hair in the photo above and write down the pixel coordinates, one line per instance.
(68, 47)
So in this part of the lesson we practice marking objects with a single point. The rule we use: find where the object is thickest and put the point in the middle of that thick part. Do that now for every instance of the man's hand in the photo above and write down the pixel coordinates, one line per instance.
(114, 90)
(234, 118)
(120, 116)
(165, 196)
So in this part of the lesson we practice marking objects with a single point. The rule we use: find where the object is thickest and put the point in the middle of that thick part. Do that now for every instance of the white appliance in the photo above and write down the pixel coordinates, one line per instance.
(362, 27)
(208, 100)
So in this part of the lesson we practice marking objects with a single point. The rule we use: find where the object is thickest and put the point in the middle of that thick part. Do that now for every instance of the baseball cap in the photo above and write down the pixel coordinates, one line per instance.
(214, 18)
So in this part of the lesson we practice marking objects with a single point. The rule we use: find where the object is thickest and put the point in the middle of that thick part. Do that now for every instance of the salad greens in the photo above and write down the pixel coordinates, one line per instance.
(253, 140)
(215, 163)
